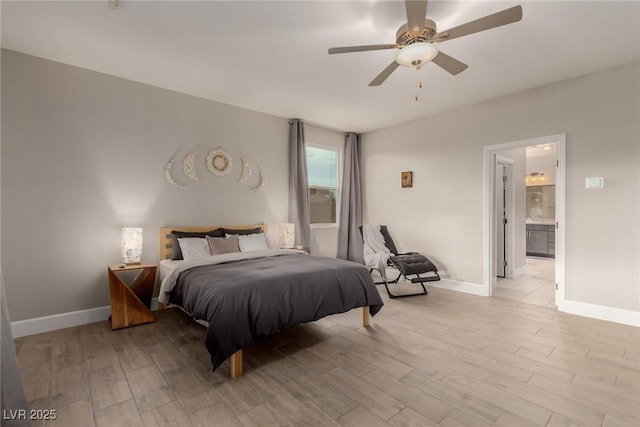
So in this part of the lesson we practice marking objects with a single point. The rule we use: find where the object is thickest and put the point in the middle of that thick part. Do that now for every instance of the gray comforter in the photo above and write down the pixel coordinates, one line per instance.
(247, 300)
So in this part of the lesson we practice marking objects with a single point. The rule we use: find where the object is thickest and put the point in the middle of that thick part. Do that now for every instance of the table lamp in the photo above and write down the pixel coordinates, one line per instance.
(131, 245)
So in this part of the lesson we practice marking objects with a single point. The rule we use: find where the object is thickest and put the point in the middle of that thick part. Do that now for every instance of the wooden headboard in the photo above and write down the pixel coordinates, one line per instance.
(166, 242)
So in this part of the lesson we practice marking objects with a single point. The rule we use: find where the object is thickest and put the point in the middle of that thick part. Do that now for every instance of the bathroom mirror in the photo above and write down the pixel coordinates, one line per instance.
(541, 202)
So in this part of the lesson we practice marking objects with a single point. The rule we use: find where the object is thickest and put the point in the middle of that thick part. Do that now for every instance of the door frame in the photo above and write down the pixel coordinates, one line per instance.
(510, 207)
(489, 252)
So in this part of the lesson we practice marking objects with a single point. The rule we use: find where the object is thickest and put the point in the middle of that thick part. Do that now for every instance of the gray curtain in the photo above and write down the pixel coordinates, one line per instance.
(350, 245)
(299, 184)
(11, 392)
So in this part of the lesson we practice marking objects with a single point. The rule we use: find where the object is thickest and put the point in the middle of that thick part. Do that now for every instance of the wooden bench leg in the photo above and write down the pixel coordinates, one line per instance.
(236, 364)
(366, 317)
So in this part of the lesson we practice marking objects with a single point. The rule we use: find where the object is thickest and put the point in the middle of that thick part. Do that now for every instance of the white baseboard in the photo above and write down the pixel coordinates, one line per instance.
(601, 312)
(457, 285)
(40, 325)
(521, 271)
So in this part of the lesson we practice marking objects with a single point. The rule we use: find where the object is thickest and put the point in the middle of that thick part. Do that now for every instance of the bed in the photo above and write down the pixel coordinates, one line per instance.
(247, 296)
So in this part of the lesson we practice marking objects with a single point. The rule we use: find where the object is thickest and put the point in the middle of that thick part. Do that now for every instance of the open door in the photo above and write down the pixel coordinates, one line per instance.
(501, 220)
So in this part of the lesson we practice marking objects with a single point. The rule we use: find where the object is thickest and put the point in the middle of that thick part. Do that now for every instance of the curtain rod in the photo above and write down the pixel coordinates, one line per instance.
(322, 128)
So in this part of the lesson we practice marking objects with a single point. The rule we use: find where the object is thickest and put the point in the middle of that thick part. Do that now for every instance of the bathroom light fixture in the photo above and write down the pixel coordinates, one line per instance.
(417, 54)
(535, 178)
(131, 245)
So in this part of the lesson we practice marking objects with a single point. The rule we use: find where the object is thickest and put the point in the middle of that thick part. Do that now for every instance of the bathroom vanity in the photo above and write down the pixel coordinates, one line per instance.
(541, 232)
(541, 240)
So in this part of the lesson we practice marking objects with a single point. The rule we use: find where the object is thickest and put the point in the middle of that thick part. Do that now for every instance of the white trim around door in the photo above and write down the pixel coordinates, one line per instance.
(489, 232)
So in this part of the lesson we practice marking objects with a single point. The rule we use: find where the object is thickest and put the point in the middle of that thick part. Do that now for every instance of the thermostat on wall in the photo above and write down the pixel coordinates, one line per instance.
(594, 182)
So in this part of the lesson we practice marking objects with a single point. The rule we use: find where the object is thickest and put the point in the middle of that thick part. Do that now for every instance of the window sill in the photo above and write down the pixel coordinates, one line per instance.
(320, 226)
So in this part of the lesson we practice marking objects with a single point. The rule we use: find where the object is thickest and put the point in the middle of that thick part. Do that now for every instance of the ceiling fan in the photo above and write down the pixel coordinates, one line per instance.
(417, 36)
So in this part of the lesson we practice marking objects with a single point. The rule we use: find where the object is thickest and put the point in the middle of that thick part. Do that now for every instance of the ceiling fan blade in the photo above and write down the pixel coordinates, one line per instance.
(416, 14)
(380, 78)
(507, 16)
(449, 63)
(347, 49)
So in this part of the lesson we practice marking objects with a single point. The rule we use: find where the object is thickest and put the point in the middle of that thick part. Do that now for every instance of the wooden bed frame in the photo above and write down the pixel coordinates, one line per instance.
(166, 251)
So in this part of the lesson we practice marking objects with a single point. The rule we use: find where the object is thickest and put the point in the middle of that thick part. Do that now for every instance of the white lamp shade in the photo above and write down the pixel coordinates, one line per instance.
(416, 54)
(287, 235)
(131, 245)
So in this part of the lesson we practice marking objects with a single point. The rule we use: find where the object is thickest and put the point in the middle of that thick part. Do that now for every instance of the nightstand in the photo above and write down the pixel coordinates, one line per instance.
(131, 303)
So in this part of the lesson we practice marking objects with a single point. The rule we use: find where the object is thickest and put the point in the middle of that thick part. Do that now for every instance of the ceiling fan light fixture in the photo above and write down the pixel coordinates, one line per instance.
(417, 54)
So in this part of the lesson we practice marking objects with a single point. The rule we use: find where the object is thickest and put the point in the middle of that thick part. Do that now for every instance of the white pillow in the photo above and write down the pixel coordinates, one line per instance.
(252, 242)
(194, 248)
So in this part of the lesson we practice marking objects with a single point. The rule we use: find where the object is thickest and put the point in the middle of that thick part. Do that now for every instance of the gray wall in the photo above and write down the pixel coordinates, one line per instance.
(83, 155)
(12, 396)
(442, 215)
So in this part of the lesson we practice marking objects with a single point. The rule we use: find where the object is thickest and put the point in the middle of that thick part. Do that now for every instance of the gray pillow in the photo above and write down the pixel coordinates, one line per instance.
(177, 252)
(223, 245)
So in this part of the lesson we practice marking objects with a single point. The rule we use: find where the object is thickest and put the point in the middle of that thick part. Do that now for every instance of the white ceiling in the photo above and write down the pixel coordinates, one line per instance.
(272, 56)
(544, 150)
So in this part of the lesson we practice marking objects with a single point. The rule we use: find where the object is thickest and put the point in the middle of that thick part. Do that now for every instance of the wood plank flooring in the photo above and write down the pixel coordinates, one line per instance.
(446, 359)
(535, 286)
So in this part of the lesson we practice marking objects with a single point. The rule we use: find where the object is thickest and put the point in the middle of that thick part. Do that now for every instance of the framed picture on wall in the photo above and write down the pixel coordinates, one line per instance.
(407, 179)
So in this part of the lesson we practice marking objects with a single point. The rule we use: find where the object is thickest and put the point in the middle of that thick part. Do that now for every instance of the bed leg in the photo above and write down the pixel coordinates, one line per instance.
(236, 364)
(366, 318)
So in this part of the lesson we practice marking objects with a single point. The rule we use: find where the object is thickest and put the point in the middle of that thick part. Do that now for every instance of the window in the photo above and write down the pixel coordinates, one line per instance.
(322, 166)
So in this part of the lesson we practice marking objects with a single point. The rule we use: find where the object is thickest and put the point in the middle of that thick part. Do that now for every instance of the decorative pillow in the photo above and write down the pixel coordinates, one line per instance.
(241, 232)
(223, 245)
(252, 242)
(194, 248)
(177, 253)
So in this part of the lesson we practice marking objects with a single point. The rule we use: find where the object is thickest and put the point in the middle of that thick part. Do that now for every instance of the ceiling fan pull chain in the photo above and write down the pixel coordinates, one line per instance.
(419, 84)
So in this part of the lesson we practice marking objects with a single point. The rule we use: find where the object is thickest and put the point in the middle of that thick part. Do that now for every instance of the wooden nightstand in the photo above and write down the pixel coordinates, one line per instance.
(130, 304)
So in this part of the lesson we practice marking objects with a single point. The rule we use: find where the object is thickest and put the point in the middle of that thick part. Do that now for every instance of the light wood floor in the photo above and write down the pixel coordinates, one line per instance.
(535, 286)
(446, 359)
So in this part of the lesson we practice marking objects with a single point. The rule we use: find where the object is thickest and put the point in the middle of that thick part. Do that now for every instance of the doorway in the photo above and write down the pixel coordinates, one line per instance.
(492, 224)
